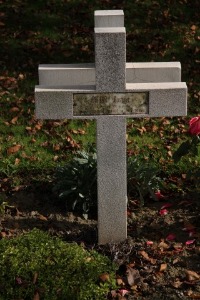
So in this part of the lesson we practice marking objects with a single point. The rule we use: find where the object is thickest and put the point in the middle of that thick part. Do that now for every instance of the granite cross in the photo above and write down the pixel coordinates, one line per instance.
(110, 91)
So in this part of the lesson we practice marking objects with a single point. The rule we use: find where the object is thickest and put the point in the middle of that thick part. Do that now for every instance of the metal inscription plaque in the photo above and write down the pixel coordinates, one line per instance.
(110, 104)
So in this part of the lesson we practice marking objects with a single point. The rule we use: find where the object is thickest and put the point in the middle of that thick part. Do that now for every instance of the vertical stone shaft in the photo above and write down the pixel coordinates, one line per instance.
(110, 62)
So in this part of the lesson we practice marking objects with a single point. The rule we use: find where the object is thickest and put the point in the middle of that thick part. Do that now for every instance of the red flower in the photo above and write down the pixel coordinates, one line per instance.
(194, 126)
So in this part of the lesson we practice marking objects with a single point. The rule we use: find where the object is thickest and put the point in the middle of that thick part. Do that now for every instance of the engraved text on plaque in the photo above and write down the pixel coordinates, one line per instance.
(110, 104)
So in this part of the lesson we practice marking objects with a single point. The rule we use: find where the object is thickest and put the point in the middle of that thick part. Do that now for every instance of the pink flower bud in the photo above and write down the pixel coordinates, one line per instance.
(194, 126)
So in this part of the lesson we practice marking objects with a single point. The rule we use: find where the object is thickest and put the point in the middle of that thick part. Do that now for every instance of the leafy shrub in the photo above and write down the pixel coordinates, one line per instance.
(76, 183)
(37, 263)
(143, 179)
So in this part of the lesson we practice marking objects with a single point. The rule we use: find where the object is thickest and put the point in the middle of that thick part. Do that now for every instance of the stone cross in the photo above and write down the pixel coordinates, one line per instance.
(110, 91)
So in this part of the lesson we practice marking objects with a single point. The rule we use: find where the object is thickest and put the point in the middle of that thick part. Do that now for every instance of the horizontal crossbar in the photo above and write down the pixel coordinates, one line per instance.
(84, 74)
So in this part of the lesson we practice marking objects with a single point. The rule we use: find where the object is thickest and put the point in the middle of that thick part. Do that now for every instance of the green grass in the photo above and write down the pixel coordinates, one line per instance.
(62, 32)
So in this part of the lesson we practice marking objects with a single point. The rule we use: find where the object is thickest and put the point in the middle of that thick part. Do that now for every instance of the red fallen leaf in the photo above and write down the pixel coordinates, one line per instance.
(163, 212)
(149, 243)
(166, 205)
(171, 237)
(188, 226)
(159, 195)
(189, 242)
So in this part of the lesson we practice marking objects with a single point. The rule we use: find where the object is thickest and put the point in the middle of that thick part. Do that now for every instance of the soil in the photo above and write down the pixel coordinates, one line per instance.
(160, 258)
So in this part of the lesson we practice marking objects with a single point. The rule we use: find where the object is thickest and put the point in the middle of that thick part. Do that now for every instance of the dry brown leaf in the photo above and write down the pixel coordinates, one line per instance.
(163, 267)
(35, 277)
(133, 276)
(177, 284)
(191, 275)
(104, 277)
(120, 281)
(163, 245)
(56, 147)
(194, 296)
(144, 254)
(193, 27)
(42, 218)
(14, 120)
(13, 149)
(3, 234)
(14, 109)
(170, 153)
(36, 296)
(17, 161)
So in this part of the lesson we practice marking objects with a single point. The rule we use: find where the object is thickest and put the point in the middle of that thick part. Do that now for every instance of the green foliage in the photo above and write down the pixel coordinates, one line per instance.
(35, 262)
(188, 147)
(143, 179)
(76, 182)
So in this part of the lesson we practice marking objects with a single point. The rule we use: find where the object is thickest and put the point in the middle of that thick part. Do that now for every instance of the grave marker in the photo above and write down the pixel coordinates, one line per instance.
(110, 91)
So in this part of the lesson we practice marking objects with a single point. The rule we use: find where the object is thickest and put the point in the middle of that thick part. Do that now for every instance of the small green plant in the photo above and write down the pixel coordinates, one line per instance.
(4, 205)
(76, 183)
(192, 145)
(143, 179)
(56, 270)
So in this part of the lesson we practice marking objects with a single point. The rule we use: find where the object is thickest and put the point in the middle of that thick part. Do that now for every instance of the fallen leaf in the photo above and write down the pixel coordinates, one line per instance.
(104, 277)
(144, 254)
(3, 234)
(35, 277)
(193, 27)
(171, 237)
(189, 242)
(149, 243)
(42, 218)
(13, 149)
(36, 296)
(163, 267)
(14, 109)
(159, 195)
(166, 205)
(123, 292)
(191, 275)
(163, 245)
(133, 276)
(194, 296)
(120, 281)
(177, 284)
(163, 212)
(14, 120)
(17, 161)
